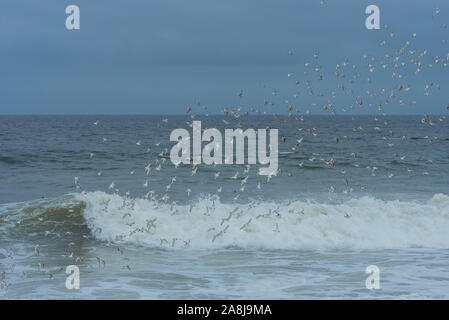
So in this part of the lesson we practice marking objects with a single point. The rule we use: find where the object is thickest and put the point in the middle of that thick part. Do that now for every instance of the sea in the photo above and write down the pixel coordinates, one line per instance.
(101, 193)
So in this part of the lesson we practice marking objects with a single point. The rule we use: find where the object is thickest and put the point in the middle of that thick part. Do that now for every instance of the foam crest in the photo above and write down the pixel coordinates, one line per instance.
(358, 223)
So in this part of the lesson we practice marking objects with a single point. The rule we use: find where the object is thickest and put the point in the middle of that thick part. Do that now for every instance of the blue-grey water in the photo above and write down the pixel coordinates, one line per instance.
(355, 191)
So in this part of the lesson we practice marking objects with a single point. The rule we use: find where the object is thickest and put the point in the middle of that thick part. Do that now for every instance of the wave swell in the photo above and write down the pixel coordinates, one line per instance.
(363, 223)
(358, 223)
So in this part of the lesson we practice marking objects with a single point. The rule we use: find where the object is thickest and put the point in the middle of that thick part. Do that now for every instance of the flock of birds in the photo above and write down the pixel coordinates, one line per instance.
(315, 83)
(401, 64)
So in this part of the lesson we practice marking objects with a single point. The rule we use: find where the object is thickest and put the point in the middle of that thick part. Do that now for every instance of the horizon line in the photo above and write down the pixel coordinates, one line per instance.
(211, 114)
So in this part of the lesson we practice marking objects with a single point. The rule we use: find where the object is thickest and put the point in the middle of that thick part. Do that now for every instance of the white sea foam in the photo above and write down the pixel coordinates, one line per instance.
(364, 223)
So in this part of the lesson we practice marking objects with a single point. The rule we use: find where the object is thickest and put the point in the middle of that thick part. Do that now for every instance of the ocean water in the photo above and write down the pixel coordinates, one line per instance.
(75, 191)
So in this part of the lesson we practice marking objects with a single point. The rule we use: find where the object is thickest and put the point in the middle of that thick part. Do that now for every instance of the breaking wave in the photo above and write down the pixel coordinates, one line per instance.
(363, 223)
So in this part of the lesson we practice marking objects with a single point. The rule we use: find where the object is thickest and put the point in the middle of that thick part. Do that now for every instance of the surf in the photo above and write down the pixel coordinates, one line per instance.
(208, 223)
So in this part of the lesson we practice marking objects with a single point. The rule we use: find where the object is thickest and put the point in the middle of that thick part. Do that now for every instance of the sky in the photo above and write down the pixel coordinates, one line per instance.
(159, 56)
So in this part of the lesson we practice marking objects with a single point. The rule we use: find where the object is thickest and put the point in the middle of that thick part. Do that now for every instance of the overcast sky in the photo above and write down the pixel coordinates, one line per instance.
(158, 56)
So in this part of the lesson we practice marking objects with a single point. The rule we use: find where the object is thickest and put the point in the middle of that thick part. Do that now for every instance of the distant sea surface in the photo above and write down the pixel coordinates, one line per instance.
(100, 192)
